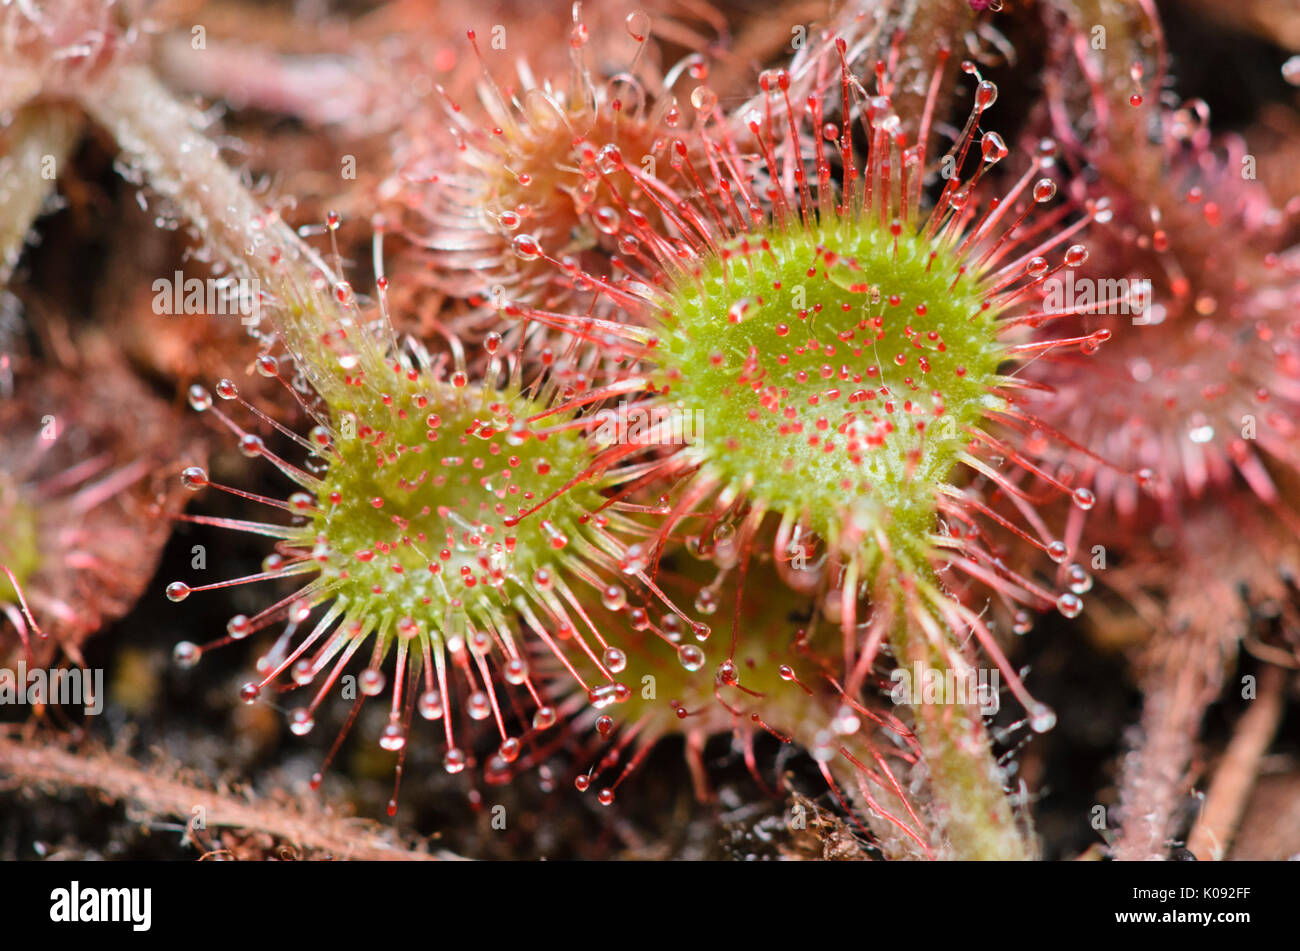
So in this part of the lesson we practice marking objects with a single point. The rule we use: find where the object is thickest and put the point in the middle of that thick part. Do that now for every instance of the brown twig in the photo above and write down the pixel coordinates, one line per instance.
(1235, 776)
(34, 763)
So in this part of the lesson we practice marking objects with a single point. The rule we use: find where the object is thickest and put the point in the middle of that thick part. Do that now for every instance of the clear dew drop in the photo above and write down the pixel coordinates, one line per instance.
(1291, 70)
(615, 660)
(1070, 605)
(497, 770)
(554, 534)
(178, 591)
(823, 746)
(704, 99)
(516, 671)
(634, 560)
(200, 398)
(478, 706)
(455, 760)
(610, 159)
(186, 654)
(607, 220)
(1058, 552)
(251, 445)
(301, 722)
(846, 720)
(1075, 255)
(545, 779)
(526, 247)
(605, 694)
(239, 626)
(544, 718)
(1022, 623)
(1078, 579)
(691, 657)
(430, 705)
(371, 682)
(613, 597)
(194, 478)
(706, 602)
(1083, 498)
(1044, 190)
(993, 148)
(1042, 718)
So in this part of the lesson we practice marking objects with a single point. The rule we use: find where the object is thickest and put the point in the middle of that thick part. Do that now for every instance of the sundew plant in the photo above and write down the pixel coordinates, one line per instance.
(658, 408)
